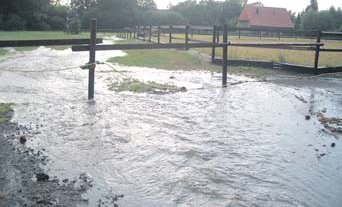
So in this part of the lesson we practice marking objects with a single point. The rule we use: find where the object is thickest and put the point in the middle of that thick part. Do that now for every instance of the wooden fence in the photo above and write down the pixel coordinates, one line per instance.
(152, 35)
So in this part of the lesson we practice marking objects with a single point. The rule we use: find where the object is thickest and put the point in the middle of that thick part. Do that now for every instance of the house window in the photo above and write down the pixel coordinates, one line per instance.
(257, 11)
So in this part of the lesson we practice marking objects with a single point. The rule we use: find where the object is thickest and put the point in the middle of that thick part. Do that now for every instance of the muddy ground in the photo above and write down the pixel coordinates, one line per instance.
(23, 182)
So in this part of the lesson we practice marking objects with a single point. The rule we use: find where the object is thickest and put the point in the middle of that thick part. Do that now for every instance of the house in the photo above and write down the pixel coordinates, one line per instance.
(258, 17)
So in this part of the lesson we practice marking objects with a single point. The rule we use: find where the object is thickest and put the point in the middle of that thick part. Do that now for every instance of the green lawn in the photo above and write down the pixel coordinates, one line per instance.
(162, 59)
(184, 60)
(275, 55)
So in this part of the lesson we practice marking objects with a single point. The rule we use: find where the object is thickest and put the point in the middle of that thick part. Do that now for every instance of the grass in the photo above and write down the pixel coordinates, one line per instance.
(137, 86)
(161, 59)
(185, 60)
(5, 110)
(275, 55)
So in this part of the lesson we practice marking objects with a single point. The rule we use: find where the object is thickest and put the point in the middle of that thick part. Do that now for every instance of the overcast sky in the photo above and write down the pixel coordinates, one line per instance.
(294, 5)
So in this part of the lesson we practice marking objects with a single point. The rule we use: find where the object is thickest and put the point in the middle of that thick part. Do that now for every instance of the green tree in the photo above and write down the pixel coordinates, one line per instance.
(311, 20)
(31, 15)
(147, 4)
(313, 6)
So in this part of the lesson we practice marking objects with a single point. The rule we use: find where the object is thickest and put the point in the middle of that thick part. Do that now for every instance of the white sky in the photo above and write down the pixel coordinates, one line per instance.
(294, 5)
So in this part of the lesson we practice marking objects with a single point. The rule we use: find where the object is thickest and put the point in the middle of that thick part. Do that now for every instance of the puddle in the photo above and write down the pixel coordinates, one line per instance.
(246, 145)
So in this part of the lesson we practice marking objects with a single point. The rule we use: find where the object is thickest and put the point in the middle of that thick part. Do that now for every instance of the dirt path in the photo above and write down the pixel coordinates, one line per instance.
(22, 179)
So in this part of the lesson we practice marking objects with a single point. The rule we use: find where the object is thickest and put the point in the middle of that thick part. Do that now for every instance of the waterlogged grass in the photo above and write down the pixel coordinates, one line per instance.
(137, 86)
(161, 59)
(5, 110)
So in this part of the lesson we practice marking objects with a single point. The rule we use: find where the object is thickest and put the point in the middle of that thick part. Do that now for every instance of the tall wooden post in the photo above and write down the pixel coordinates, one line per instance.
(138, 32)
(92, 56)
(144, 33)
(225, 56)
(213, 49)
(158, 35)
(150, 34)
(186, 37)
(170, 34)
(217, 35)
(318, 48)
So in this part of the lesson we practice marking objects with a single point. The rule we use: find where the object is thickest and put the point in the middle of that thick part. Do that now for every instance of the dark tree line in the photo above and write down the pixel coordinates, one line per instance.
(313, 19)
(51, 15)
(32, 15)
(210, 12)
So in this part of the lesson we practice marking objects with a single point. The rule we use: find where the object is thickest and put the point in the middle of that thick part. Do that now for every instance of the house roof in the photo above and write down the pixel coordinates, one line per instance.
(259, 16)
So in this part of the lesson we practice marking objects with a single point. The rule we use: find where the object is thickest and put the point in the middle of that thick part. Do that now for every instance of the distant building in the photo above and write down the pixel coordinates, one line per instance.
(258, 17)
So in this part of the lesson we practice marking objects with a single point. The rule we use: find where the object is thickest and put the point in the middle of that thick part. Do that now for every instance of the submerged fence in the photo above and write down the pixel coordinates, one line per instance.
(153, 38)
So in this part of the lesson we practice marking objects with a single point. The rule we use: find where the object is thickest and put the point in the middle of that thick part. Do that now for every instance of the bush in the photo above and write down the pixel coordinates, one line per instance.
(74, 26)
(15, 22)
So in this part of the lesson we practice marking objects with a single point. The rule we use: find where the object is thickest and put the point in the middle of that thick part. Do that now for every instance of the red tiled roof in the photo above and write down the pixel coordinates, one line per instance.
(259, 16)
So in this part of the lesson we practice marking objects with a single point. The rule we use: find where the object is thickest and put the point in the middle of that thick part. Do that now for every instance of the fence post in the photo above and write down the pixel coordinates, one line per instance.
(159, 34)
(217, 35)
(318, 48)
(92, 56)
(239, 34)
(213, 49)
(225, 56)
(170, 34)
(138, 32)
(144, 33)
(186, 37)
(150, 34)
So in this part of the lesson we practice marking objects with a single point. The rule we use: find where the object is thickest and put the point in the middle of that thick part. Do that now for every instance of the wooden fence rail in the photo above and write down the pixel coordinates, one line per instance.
(34, 43)
(147, 33)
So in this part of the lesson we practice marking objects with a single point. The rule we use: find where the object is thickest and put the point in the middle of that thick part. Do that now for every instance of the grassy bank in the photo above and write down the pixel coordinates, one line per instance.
(184, 60)
(5, 110)
(161, 59)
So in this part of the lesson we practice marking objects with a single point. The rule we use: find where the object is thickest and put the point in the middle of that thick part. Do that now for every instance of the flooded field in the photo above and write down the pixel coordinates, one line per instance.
(246, 145)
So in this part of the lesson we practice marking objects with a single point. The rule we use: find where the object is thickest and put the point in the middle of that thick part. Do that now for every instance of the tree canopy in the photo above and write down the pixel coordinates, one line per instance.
(32, 15)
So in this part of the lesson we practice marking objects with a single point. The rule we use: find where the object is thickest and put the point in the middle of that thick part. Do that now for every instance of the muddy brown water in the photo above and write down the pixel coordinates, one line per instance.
(246, 145)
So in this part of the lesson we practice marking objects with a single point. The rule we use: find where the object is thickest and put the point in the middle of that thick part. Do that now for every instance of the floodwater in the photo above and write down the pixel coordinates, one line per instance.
(245, 145)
